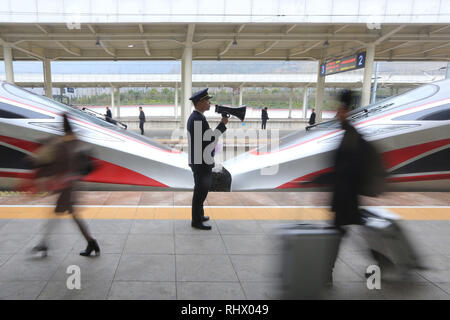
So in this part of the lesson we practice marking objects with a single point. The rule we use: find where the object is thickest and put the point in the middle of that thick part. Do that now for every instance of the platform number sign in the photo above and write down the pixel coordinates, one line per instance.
(322, 69)
(361, 60)
(356, 61)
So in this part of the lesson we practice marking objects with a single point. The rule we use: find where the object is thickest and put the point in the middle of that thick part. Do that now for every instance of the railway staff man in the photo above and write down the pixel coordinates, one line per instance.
(264, 118)
(202, 141)
(108, 115)
(141, 120)
(312, 118)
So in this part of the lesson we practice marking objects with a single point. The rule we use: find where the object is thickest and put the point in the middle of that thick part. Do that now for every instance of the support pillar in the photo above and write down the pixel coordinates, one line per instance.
(368, 71)
(48, 78)
(8, 59)
(373, 99)
(118, 103)
(447, 71)
(291, 96)
(186, 69)
(181, 125)
(176, 101)
(241, 92)
(112, 98)
(320, 89)
(233, 100)
(305, 102)
(61, 93)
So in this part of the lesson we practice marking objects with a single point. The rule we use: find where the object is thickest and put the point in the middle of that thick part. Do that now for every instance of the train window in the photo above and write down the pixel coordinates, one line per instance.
(405, 98)
(390, 103)
(13, 159)
(56, 106)
(13, 112)
(434, 162)
(433, 114)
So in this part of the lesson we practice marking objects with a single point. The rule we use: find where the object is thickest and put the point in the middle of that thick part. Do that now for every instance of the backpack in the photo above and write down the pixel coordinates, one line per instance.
(373, 175)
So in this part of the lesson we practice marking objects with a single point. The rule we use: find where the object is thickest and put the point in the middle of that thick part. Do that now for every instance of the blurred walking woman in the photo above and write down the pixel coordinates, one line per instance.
(65, 169)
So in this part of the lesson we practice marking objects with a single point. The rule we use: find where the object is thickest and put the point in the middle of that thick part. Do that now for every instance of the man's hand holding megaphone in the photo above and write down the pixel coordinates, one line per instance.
(224, 118)
(238, 112)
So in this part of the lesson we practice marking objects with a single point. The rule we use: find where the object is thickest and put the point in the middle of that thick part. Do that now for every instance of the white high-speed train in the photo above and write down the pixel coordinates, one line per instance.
(125, 160)
(412, 131)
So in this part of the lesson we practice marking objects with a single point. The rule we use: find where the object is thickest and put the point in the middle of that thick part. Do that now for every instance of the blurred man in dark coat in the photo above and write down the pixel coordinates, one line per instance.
(264, 118)
(202, 141)
(347, 175)
(312, 118)
(141, 120)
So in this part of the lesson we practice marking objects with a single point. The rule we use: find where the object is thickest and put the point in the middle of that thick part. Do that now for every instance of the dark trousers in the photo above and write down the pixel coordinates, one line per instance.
(141, 126)
(263, 125)
(202, 180)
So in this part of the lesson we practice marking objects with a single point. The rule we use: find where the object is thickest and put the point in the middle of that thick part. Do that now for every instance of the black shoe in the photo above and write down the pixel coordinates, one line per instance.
(41, 248)
(200, 226)
(92, 246)
(205, 218)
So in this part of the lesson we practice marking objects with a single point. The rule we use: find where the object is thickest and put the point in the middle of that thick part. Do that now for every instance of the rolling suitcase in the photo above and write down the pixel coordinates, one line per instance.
(308, 255)
(387, 241)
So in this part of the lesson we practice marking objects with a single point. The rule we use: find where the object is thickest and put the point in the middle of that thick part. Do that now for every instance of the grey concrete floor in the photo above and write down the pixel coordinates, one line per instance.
(167, 259)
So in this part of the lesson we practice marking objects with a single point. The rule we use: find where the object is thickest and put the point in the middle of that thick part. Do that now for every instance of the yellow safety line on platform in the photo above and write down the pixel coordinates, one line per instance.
(144, 213)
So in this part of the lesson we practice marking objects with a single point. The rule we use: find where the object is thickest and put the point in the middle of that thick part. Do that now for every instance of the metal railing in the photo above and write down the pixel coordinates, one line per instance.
(103, 117)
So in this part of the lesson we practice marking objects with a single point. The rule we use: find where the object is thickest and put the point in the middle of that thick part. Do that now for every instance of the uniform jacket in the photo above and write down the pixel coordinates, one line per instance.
(198, 117)
(108, 116)
(312, 118)
(264, 115)
(141, 117)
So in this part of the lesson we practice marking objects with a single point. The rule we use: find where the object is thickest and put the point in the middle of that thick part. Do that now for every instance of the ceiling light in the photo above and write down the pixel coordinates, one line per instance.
(131, 46)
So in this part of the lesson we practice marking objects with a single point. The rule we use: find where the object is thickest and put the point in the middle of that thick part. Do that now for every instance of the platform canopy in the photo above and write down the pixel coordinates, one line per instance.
(239, 30)
(225, 41)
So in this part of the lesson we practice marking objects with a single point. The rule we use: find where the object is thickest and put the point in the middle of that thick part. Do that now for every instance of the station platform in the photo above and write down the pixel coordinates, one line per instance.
(150, 251)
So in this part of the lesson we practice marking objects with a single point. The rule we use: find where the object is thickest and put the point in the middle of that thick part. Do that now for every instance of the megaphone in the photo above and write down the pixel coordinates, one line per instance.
(238, 112)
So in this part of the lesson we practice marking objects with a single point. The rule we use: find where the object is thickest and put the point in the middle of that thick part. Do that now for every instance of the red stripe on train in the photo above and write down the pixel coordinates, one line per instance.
(296, 183)
(391, 159)
(105, 172)
(395, 157)
(22, 144)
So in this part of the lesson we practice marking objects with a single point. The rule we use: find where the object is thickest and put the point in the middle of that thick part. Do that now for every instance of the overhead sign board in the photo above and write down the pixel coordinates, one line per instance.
(70, 90)
(353, 62)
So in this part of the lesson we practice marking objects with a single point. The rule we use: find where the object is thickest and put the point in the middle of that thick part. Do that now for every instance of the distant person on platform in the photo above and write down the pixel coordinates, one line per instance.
(108, 115)
(202, 141)
(312, 118)
(264, 118)
(141, 120)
